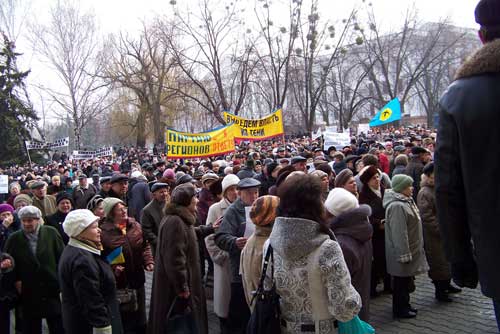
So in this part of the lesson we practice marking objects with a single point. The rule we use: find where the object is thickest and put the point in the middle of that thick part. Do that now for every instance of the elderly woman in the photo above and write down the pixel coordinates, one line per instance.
(177, 284)
(309, 268)
(325, 183)
(346, 180)
(89, 303)
(8, 223)
(96, 206)
(64, 206)
(129, 254)
(404, 244)
(21, 201)
(14, 189)
(262, 214)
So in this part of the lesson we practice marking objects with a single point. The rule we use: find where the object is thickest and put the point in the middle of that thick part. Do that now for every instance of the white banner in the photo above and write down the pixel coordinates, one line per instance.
(4, 184)
(365, 127)
(62, 142)
(88, 155)
(339, 140)
(316, 135)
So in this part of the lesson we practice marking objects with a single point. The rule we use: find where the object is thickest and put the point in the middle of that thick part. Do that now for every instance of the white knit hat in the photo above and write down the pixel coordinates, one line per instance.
(340, 200)
(228, 181)
(78, 220)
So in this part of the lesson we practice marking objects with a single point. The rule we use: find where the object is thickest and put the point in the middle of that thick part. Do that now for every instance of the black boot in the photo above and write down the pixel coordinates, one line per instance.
(451, 289)
(441, 291)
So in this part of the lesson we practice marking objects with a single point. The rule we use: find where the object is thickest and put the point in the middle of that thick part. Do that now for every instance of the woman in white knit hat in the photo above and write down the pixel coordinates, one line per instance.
(89, 303)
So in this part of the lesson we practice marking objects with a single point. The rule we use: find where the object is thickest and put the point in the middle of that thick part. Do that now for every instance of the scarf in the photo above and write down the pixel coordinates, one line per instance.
(33, 239)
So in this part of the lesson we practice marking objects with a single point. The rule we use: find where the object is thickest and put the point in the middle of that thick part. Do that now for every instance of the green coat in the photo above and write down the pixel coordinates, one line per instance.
(38, 274)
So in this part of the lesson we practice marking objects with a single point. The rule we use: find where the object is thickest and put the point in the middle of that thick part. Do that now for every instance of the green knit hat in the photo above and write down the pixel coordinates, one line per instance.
(109, 203)
(400, 182)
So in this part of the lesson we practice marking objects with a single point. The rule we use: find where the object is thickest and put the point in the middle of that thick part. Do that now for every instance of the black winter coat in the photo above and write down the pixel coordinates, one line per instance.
(467, 187)
(88, 291)
(56, 220)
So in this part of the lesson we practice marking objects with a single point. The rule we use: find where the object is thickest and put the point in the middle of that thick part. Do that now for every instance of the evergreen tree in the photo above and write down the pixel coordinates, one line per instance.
(17, 119)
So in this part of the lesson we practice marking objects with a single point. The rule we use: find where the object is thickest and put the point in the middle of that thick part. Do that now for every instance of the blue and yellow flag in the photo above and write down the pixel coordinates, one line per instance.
(116, 256)
(391, 112)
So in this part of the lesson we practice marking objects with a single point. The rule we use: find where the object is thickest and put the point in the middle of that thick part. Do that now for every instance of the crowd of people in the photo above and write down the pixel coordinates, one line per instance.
(341, 221)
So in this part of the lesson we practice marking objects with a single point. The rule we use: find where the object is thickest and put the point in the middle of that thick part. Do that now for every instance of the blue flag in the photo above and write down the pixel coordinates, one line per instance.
(391, 112)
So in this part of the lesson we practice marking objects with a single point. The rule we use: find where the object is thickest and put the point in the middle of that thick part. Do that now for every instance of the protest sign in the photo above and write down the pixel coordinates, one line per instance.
(36, 145)
(206, 144)
(4, 184)
(364, 127)
(339, 140)
(316, 135)
(87, 155)
(257, 129)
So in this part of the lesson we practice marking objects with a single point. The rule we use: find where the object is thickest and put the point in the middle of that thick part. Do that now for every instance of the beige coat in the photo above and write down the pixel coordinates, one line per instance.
(217, 210)
(251, 261)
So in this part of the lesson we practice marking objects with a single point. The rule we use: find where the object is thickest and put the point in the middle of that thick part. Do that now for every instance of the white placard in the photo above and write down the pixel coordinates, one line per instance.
(339, 140)
(249, 226)
(4, 184)
(365, 127)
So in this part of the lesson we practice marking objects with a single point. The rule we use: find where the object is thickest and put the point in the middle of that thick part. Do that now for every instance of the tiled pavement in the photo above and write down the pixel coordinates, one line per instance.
(470, 313)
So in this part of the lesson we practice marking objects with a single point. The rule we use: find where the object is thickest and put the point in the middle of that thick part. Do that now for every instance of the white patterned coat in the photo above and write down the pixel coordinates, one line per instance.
(311, 277)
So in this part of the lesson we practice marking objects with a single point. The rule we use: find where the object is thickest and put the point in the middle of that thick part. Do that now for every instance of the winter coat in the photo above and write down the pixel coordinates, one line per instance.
(339, 166)
(139, 196)
(37, 273)
(5, 232)
(354, 233)
(311, 277)
(232, 227)
(8, 293)
(56, 220)
(384, 163)
(217, 210)
(82, 196)
(222, 277)
(205, 200)
(246, 172)
(266, 182)
(88, 290)
(151, 216)
(136, 251)
(434, 251)
(47, 205)
(177, 270)
(468, 121)
(251, 261)
(414, 169)
(400, 169)
(404, 244)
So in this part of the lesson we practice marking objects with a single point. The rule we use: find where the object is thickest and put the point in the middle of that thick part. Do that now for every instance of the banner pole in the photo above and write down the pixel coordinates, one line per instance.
(28, 151)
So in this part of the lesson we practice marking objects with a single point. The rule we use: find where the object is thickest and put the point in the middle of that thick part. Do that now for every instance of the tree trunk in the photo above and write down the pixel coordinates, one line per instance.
(157, 125)
(141, 127)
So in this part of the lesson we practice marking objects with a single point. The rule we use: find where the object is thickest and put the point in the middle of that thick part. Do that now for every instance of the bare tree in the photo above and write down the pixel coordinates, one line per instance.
(13, 14)
(319, 49)
(70, 44)
(215, 57)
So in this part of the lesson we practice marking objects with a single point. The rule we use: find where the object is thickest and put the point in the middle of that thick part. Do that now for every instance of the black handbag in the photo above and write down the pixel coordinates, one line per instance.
(184, 322)
(266, 315)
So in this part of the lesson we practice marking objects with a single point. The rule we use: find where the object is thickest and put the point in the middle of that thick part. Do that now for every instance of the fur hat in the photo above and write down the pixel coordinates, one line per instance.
(264, 210)
(77, 221)
(343, 177)
(23, 198)
(339, 201)
(183, 194)
(367, 173)
(400, 182)
(228, 181)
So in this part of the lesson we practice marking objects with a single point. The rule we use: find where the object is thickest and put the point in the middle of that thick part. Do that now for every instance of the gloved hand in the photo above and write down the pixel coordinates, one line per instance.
(355, 326)
(103, 330)
(465, 274)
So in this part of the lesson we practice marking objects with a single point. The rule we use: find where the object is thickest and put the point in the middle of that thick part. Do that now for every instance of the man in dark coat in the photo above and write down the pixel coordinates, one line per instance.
(469, 117)
(419, 158)
(36, 250)
(230, 238)
(83, 192)
(138, 196)
(105, 183)
(152, 214)
(64, 206)
(119, 187)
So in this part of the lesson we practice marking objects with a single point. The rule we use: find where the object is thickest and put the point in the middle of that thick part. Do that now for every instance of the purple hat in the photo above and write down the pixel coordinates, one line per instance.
(6, 208)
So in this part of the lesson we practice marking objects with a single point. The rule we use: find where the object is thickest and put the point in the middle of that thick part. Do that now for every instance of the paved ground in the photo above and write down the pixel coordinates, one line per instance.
(470, 313)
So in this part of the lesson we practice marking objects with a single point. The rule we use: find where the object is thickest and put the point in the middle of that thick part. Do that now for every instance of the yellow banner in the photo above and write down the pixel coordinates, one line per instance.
(257, 129)
(197, 145)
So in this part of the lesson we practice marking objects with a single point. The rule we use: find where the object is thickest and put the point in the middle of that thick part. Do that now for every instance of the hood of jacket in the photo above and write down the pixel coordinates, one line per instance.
(178, 210)
(391, 196)
(485, 60)
(294, 238)
(354, 223)
(426, 182)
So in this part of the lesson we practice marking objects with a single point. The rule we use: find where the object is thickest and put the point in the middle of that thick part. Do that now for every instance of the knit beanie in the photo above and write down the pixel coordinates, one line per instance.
(109, 203)
(228, 181)
(62, 196)
(169, 174)
(22, 198)
(343, 177)
(264, 210)
(367, 173)
(339, 201)
(400, 182)
(6, 208)
(77, 221)
(183, 194)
